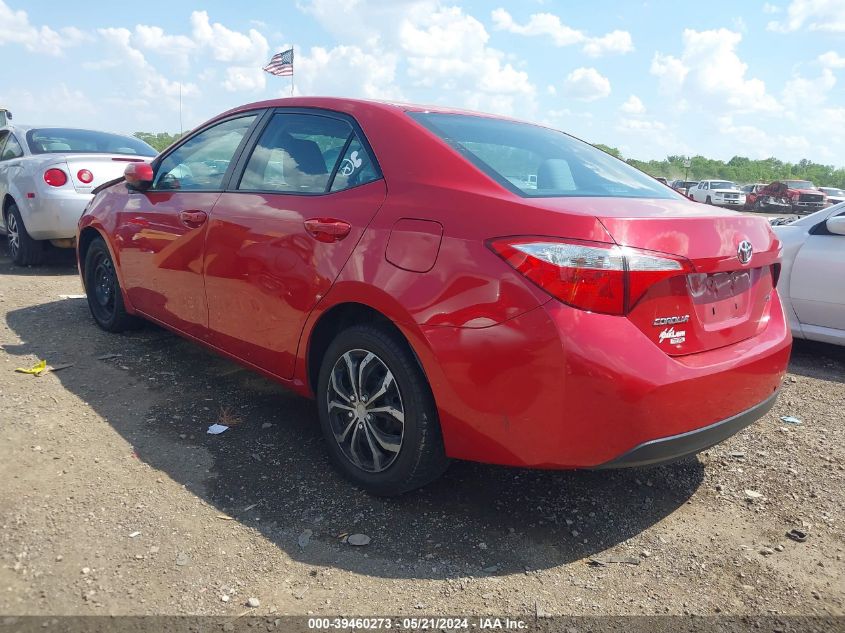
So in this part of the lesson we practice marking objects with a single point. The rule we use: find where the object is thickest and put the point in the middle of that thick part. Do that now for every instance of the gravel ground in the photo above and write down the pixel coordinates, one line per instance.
(116, 501)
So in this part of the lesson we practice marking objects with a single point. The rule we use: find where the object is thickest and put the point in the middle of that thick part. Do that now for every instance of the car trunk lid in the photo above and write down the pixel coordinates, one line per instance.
(101, 167)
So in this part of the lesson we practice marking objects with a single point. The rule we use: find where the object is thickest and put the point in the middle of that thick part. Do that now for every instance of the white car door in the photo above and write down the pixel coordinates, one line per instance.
(696, 192)
(817, 284)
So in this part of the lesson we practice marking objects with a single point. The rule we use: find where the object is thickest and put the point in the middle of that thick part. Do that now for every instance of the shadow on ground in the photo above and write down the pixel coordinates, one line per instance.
(818, 360)
(57, 262)
(162, 392)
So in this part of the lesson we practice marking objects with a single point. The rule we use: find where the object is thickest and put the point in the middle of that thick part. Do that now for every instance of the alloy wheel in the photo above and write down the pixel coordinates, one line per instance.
(365, 409)
(13, 236)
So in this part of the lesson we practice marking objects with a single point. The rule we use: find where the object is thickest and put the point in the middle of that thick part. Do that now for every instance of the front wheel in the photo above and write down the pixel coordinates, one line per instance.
(23, 250)
(377, 413)
(102, 289)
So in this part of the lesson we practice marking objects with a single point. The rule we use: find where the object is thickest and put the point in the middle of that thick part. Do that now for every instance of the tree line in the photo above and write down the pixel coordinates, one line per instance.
(739, 169)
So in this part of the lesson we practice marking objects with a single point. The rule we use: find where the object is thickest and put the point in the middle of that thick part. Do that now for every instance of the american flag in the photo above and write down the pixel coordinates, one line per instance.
(281, 64)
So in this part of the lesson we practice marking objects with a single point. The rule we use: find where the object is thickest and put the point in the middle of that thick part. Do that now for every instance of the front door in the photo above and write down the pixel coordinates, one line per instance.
(817, 284)
(280, 234)
(160, 234)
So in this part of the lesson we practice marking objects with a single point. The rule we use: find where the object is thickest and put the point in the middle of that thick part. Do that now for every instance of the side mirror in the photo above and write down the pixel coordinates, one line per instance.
(836, 225)
(138, 176)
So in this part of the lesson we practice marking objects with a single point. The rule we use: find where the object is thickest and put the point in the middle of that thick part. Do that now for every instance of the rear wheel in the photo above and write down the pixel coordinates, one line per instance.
(709, 201)
(103, 290)
(377, 413)
(23, 250)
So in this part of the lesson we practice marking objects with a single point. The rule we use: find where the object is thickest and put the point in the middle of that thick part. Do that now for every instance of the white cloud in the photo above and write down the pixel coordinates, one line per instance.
(244, 78)
(15, 28)
(346, 71)
(586, 84)
(641, 125)
(815, 15)
(633, 105)
(771, 8)
(710, 73)
(832, 59)
(795, 90)
(548, 24)
(225, 44)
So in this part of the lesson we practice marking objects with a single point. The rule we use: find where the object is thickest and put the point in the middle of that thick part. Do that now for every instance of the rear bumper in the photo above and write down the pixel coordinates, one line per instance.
(561, 388)
(672, 448)
(53, 215)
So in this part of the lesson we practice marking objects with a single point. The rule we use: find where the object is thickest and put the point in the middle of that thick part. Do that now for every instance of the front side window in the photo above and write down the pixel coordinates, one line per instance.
(12, 150)
(202, 161)
(534, 161)
(72, 141)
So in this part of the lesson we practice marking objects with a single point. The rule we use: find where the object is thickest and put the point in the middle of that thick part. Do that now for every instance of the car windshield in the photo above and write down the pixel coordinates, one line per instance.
(723, 184)
(534, 161)
(799, 184)
(70, 141)
(830, 191)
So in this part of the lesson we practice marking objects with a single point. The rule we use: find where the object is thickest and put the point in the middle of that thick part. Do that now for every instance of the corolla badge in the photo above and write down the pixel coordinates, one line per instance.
(672, 320)
(744, 252)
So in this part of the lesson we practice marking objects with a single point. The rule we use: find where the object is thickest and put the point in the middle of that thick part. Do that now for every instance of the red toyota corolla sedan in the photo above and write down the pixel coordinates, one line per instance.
(447, 285)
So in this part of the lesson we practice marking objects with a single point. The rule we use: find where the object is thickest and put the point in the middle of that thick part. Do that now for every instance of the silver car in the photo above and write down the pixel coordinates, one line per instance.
(47, 175)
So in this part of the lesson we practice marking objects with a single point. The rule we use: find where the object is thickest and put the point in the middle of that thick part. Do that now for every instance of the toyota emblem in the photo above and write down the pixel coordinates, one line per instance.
(744, 252)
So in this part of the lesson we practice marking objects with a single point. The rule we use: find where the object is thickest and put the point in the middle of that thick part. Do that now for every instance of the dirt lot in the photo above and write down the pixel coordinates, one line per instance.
(115, 500)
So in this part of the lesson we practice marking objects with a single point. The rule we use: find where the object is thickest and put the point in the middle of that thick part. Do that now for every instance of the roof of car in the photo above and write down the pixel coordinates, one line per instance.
(344, 104)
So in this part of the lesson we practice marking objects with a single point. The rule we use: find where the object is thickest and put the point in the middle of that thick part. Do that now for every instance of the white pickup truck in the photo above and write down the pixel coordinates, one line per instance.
(722, 193)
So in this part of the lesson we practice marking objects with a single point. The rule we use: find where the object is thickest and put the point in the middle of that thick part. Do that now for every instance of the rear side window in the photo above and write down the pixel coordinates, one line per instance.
(307, 154)
(71, 141)
(534, 161)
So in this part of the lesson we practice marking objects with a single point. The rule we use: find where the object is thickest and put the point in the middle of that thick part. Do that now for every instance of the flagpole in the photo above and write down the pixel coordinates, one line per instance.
(291, 71)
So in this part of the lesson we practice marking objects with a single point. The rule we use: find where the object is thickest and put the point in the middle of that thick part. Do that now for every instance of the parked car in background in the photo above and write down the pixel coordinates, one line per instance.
(751, 192)
(46, 179)
(591, 319)
(683, 186)
(790, 196)
(834, 195)
(812, 281)
(661, 179)
(722, 193)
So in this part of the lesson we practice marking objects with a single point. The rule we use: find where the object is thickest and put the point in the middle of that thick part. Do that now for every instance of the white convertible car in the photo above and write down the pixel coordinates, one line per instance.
(46, 178)
(812, 280)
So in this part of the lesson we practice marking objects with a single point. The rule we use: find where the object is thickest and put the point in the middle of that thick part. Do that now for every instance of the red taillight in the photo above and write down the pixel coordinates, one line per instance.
(593, 276)
(55, 177)
(85, 176)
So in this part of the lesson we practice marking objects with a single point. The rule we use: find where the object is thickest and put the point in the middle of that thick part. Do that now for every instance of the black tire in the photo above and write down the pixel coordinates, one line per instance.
(420, 457)
(23, 250)
(103, 290)
(709, 201)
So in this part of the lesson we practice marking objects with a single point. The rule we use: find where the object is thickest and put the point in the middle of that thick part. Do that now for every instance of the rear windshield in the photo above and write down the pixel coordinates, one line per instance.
(69, 141)
(534, 161)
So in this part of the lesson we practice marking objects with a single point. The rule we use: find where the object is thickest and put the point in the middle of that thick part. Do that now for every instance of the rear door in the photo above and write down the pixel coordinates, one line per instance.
(160, 233)
(817, 286)
(280, 234)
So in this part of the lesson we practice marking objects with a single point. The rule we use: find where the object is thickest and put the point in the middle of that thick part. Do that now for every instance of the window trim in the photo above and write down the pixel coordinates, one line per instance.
(260, 114)
(357, 131)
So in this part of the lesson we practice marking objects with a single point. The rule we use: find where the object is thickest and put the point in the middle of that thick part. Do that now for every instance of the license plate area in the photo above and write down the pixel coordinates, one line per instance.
(721, 299)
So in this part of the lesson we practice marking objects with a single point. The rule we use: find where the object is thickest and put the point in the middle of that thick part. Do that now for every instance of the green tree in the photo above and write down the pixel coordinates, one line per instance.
(158, 140)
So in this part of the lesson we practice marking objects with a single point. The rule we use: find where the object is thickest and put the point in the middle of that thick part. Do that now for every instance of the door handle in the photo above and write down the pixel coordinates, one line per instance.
(327, 229)
(193, 219)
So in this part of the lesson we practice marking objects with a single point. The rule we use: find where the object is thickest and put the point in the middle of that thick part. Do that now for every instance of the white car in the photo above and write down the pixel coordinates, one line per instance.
(834, 195)
(812, 278)
(46, 179)
(722, 193)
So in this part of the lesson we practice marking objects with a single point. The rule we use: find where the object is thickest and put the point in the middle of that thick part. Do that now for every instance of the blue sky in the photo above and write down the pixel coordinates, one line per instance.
(652, 78)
